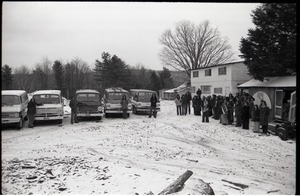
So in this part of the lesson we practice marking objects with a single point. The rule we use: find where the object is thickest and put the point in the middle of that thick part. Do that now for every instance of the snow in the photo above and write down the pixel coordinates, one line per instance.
(141, 154)
(283, 81)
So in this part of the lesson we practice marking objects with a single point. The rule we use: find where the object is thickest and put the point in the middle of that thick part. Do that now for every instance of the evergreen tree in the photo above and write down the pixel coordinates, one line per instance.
(58, 71)
(166, 79)
(112, 72)
(155, 83)
(7, 78)
(270, 48)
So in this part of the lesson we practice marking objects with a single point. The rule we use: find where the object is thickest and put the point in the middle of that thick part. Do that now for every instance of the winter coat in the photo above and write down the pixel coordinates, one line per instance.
(255, 115)
(73, 104)
(153, 101)
(178, 102)
(124, 104)
(264, 115)
(188, 97)
(245, 112)
(31, 108)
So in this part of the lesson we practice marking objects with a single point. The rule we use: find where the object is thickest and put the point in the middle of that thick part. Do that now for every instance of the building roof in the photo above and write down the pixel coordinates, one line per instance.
(179, 88)
(225, 64)
(42, 92)
(283, 81)
(87, 91)
(12, 92)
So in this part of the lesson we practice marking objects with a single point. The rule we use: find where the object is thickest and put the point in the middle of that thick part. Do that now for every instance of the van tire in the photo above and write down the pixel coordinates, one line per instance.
(26, 118)
(20, 124)
(60, 121)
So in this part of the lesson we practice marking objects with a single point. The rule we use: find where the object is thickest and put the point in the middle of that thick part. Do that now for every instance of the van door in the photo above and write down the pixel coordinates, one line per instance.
(278, 103)
(292, 113)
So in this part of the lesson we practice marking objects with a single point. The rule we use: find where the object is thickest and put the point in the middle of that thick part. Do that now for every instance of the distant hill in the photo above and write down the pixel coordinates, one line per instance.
(179, 77)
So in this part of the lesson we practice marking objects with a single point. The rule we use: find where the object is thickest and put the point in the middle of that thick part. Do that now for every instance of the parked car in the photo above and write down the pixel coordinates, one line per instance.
(50, 105)
(14, 107)
(112, 101)
(89, 104)
(140, 99)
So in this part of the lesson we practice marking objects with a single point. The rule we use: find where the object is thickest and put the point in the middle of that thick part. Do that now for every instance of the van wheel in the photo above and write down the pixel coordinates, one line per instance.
(60, 121)
(100, 118)
(20, 124)
(128, 115)
(106, 115)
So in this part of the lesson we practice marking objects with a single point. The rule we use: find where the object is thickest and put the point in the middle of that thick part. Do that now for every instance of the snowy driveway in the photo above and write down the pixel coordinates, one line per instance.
(139, 155)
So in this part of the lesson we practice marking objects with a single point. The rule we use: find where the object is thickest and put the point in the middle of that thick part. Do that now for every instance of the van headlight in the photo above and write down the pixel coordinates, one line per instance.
(100, 108)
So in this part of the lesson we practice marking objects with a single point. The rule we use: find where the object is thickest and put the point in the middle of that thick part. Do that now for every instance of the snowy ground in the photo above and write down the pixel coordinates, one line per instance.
(139, 155)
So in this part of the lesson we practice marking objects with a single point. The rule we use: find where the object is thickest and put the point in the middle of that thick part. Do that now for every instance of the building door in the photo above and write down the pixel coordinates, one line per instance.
(278, 103)
(292, 114)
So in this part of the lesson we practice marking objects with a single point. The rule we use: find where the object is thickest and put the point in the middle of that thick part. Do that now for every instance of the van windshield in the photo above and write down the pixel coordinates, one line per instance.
(10, 100)
(144, 96)
(117, 96)
(46, 99)
(88, 97)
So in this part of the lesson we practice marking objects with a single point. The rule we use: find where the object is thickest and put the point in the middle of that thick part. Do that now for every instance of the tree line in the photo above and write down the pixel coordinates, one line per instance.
(109, 71)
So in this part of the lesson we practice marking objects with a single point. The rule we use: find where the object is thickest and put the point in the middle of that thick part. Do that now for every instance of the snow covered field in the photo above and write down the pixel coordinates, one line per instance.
(139, 155)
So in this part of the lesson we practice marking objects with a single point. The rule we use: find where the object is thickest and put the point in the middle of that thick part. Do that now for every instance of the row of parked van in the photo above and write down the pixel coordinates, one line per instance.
(89, 104)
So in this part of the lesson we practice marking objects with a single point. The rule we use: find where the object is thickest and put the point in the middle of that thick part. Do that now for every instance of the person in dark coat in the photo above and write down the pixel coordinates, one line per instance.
(230, 106)
(199, 92)
(31, 111)
(197, 105)
(183, 101)
(245, 115)
(188, 96)
(264, 112)
(214, 106)
(73, 106)
(124, 106)
(255, 119)
(153, 101)
(238, 112)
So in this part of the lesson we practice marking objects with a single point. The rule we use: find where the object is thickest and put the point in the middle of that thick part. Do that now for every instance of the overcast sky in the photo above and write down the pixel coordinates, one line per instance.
(131, 30)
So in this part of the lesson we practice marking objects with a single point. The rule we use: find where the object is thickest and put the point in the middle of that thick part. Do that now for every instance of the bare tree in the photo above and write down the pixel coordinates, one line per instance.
(22, 78)
(193, 47)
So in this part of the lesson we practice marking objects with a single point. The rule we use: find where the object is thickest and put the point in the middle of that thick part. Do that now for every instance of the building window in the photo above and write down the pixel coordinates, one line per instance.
(218, 90)
(205, 89)
(207, 72)
(195, 74)
(222, 71)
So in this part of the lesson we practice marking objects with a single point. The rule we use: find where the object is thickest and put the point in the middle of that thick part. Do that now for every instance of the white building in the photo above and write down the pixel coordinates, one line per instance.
(220, 79)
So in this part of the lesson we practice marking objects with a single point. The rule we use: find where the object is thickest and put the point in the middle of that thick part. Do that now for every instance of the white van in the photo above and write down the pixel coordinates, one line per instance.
(49, 105)
(14, 107)
(140, 99)
(112, 101)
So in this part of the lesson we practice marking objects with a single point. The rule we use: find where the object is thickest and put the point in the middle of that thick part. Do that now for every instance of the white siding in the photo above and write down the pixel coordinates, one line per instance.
(236, 73)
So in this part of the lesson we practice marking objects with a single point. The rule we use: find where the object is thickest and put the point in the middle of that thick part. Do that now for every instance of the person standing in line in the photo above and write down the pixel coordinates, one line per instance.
(255, 119)
(245, 114)
(224, 112)
(264, 112)
(230, 105)
(73, 106)
(188, 96)
(31, 111)
(178, 105)
(205, 109)
(183, 101)
(124, 104)
(238, 112)
(214, 106)
(153, 101)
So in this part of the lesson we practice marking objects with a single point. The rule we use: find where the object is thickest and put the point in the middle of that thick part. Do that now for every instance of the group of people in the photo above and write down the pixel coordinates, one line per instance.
(237, 110)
